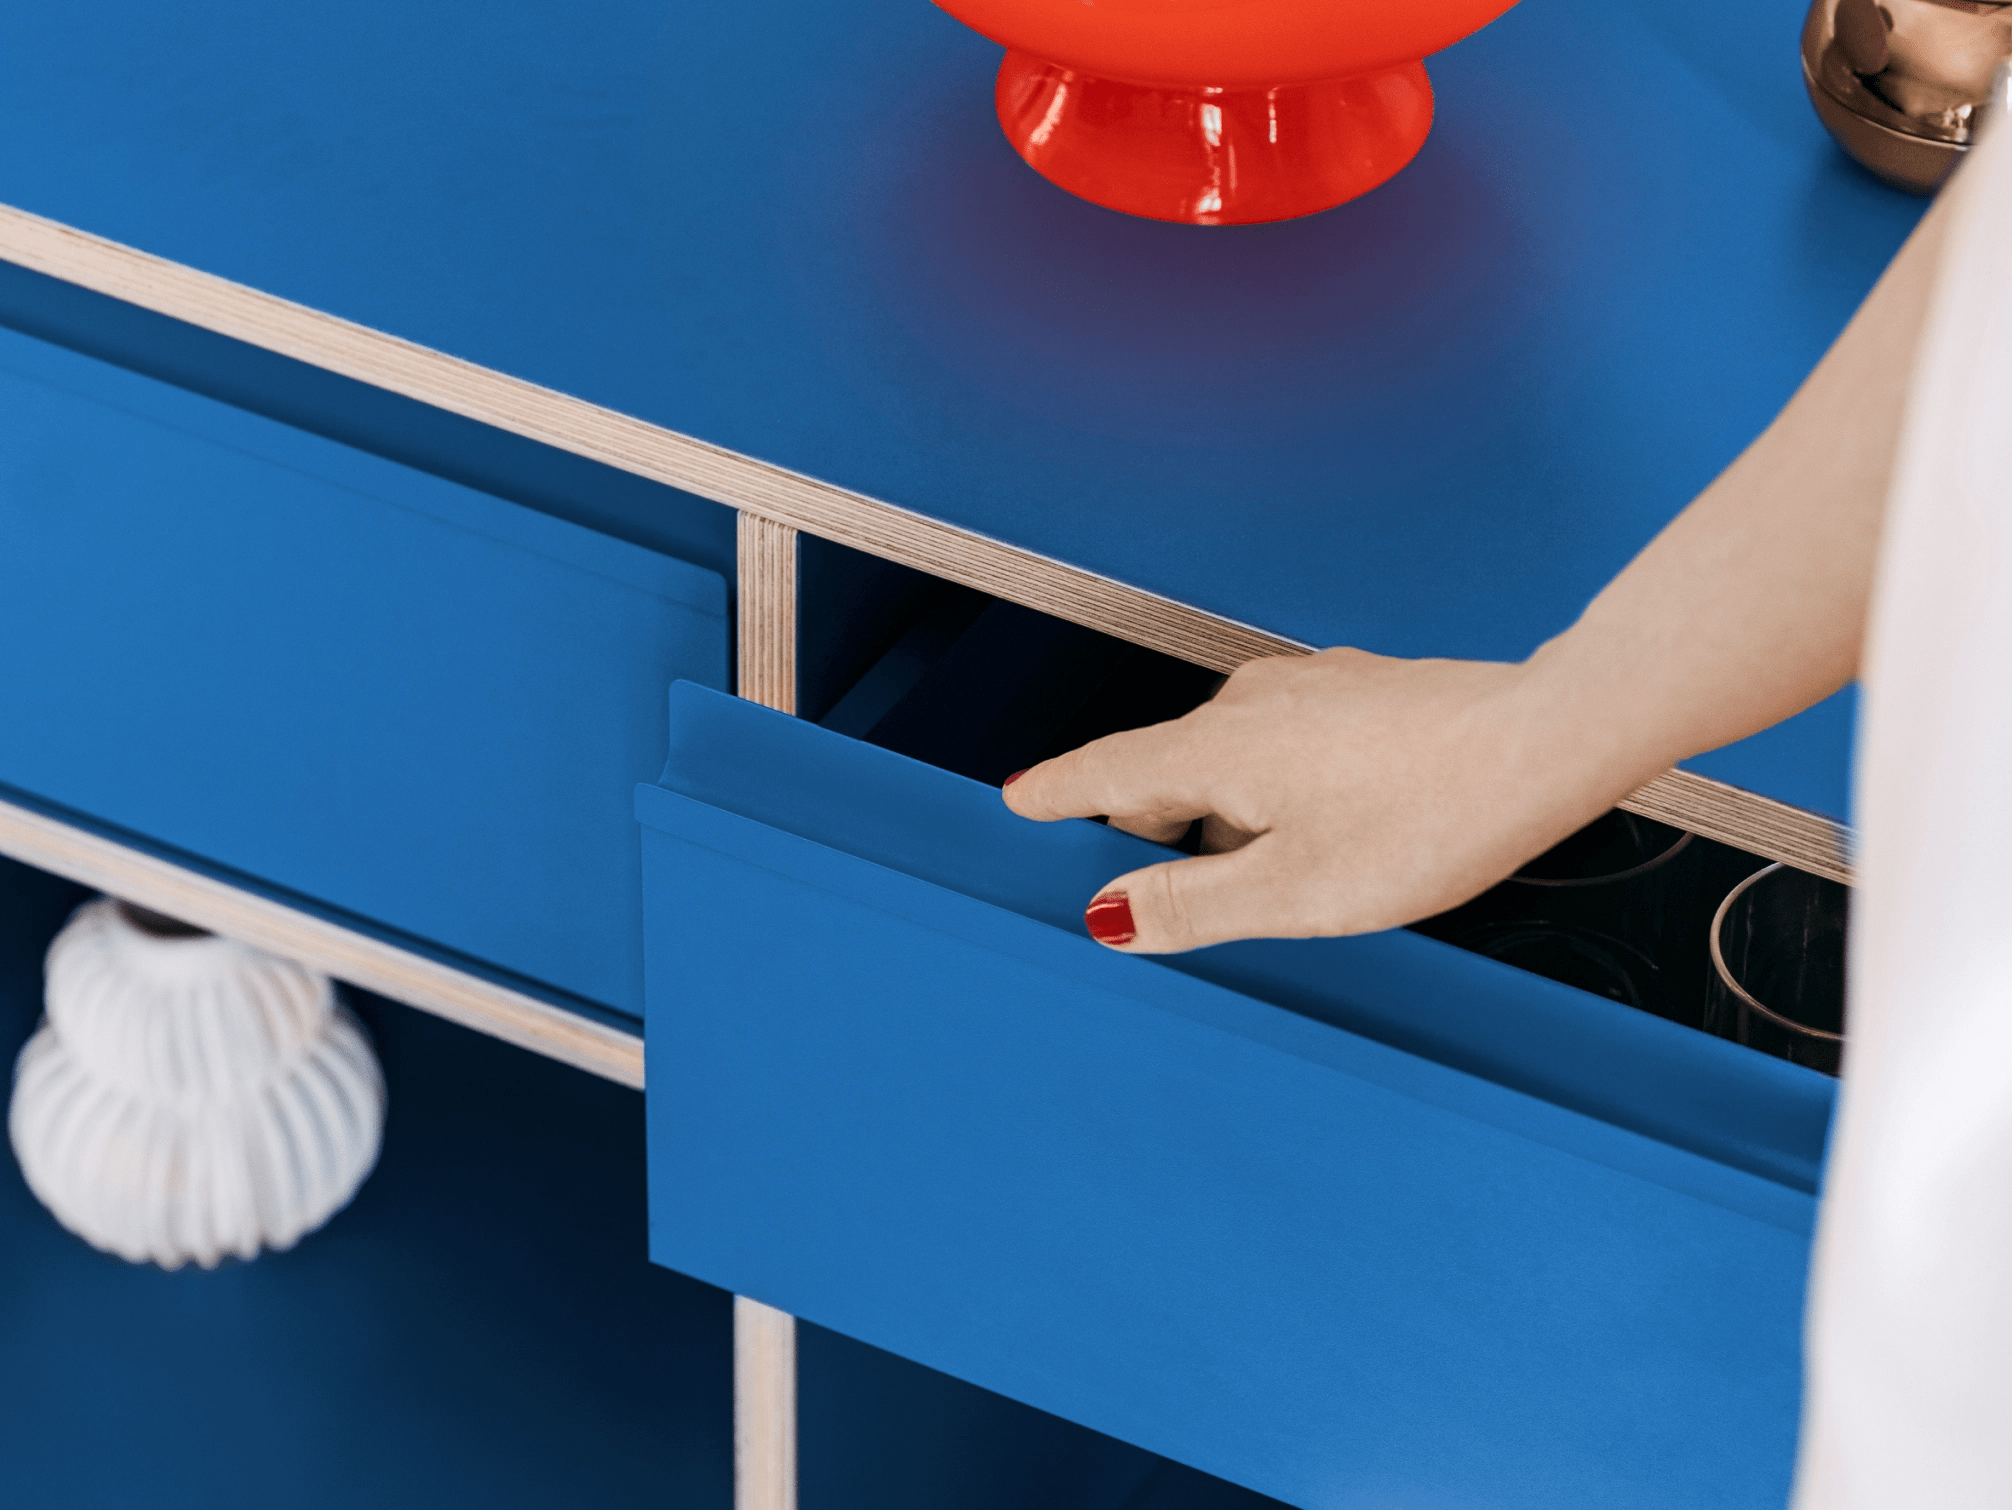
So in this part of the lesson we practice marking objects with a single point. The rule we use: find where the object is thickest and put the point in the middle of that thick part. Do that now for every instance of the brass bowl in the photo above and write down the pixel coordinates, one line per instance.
(1902, 84)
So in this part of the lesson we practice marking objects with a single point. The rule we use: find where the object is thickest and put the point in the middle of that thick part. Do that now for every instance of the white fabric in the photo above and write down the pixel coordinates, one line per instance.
(1909, 1388)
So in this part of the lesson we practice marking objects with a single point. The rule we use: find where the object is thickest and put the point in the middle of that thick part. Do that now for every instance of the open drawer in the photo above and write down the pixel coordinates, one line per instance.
(392, 695)
(1365, 1222)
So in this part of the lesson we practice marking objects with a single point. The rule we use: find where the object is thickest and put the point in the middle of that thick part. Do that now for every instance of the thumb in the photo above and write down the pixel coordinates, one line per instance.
(1185, 904)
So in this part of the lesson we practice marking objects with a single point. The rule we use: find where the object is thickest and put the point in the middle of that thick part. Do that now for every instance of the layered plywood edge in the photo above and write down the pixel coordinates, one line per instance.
(1759, 825)
(371, 964)
(775, 496)
(765, 1415)
(765, 629)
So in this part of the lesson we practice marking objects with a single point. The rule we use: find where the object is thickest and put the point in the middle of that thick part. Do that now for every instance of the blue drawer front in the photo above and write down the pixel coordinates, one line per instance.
(904, 1106)
(401, 697)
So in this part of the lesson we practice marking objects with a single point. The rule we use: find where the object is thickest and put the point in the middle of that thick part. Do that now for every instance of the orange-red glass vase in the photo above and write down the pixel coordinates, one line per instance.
(1218, 112)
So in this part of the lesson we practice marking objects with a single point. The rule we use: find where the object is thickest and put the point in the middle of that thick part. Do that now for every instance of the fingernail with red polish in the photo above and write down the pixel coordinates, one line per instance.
(1109, 919)
(1013, 778)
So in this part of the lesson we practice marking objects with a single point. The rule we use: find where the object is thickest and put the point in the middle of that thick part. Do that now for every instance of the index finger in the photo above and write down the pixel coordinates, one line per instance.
(1142, 773)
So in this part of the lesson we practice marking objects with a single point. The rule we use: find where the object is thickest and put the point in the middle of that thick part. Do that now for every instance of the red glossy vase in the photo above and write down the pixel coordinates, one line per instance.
(1218, 112)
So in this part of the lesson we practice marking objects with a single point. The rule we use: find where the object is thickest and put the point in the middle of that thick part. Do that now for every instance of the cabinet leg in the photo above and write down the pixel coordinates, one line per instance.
(764, 1407)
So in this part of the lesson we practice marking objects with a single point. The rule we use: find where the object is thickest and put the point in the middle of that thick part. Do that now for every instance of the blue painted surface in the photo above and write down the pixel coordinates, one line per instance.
(889, 1094)
(311, 398)
(480, 1327)
(406, 699)
(312, 906)
(1434, 420)
(878, 1432)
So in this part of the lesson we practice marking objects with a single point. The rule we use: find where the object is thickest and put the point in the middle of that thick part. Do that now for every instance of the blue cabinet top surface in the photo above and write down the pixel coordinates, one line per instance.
(1431, 421)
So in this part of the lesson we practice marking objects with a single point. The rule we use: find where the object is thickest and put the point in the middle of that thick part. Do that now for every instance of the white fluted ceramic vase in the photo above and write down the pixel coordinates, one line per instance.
(190, 1097)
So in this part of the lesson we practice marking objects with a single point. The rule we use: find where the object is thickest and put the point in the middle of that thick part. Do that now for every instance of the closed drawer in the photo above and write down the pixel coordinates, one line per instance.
(1352, 1222)
(399, 697)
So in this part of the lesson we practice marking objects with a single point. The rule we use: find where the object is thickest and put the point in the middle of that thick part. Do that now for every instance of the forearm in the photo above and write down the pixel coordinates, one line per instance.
(1751, 605)
(1349, 792)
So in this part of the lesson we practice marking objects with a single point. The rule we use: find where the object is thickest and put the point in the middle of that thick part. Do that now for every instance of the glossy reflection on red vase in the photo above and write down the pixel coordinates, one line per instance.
(1218, 112)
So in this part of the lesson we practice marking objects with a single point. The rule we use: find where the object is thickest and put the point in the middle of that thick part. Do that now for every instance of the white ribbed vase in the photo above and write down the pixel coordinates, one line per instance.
(190, 1097)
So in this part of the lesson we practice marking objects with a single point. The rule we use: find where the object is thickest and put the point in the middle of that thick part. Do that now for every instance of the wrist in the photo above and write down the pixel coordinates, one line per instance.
(1586, 726)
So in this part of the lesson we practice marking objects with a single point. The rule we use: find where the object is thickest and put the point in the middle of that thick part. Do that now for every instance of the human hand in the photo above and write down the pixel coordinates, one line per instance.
(1342, 792)
(1345, 792)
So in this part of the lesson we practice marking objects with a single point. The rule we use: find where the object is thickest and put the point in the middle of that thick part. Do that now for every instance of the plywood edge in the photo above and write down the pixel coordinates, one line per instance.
(764, 492)
(633, 445)
(371, 964)
(765, 1415)
(766, 585)
(1809, 841)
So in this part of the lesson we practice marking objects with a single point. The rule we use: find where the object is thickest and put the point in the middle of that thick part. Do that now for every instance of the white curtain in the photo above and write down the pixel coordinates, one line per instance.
(1909, 1388)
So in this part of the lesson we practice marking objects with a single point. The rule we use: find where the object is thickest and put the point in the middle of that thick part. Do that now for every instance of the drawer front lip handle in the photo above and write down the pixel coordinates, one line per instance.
(1535, 1037)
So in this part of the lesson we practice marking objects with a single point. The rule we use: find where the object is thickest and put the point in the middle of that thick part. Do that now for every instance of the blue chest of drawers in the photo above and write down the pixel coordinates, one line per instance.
(382, 394)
